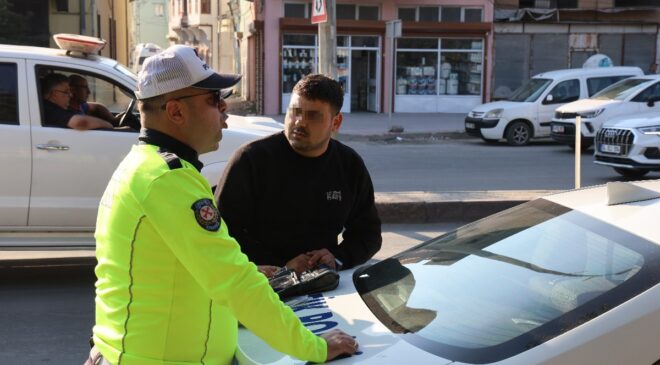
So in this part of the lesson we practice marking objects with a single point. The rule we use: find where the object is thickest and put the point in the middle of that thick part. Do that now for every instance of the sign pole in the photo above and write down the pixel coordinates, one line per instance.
(323, 13)
(578, 150)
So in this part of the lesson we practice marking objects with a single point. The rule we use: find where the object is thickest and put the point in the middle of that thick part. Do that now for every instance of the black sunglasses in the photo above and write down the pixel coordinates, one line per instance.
(217, 97)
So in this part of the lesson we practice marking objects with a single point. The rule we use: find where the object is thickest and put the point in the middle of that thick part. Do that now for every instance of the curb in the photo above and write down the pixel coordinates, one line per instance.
(453, 206)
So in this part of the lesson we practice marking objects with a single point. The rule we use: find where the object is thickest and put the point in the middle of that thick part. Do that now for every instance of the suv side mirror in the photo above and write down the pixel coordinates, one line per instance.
(651, 101)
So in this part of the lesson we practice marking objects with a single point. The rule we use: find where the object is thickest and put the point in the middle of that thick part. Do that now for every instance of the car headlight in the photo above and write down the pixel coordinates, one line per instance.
(654, 129)
(495, 113)
(592, 113)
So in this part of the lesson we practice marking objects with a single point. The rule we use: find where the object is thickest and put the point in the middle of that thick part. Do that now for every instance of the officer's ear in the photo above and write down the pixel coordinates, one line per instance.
(174, 112)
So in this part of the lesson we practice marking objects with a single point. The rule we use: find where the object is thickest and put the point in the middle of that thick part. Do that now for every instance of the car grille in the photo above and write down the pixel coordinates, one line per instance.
(617, 137)
(560, 115)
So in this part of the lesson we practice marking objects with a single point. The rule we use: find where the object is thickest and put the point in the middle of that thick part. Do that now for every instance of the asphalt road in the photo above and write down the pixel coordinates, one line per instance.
(47, 312)
(470, 164)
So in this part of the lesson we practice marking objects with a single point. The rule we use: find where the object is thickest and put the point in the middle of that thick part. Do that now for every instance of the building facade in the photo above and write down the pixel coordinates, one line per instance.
(556, 34)
(440, 64)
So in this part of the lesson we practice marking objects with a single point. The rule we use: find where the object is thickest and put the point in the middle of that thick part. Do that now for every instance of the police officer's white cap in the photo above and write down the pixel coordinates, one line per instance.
(176, 68)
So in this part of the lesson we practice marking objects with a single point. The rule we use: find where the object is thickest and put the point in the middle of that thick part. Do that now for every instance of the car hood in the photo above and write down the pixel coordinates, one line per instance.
(344, 309)
(507, 106)
(641, 120)
(585, 105)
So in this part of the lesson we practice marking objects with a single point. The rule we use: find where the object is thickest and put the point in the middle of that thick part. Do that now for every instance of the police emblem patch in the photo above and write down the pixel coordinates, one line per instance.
(207, 214)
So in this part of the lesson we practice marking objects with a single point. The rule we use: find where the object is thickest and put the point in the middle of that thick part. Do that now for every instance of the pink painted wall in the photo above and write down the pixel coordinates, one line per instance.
(274, 10)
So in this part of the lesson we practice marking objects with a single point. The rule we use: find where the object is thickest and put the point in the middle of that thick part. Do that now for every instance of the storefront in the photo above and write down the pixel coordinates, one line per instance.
(440, 64)
(438, 74)
(358, 68)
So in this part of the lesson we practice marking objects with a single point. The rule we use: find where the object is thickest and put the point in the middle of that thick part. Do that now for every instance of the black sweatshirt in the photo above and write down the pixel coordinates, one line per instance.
(278, 204)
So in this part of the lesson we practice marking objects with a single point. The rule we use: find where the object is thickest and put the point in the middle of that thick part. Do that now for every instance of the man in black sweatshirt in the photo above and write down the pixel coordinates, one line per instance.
(287, 197)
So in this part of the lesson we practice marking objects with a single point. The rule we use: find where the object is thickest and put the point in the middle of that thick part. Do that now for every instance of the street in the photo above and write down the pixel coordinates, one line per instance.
(48, 311)
(470, 164)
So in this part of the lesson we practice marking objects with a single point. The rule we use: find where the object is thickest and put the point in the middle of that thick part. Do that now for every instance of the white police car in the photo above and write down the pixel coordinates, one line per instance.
(571, 278)
(53, 178)
(630, 145)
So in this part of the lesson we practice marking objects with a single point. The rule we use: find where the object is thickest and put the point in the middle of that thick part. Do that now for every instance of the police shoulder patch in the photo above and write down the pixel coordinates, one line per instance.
(206, 214)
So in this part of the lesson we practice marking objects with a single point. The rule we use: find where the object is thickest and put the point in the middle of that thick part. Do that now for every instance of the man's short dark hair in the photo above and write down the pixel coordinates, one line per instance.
(50, 81)
(323, 88)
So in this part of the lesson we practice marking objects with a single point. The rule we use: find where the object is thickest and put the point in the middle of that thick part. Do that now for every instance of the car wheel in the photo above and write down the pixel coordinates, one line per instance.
(518, 134)
(631, 173)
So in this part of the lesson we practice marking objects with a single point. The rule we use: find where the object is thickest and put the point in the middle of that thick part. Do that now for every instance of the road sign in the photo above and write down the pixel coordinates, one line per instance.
(319, 12)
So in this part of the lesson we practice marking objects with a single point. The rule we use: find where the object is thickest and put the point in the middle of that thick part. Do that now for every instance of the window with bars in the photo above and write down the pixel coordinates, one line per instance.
(455, 14)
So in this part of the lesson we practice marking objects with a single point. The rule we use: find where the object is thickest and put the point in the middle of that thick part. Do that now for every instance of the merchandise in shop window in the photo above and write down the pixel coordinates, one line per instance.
(418, 80)
(296, 63)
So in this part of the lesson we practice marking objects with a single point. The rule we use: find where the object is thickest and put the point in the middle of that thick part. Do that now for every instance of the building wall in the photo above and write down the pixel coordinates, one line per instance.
(274, 10)
(69, 21)
(113, 27)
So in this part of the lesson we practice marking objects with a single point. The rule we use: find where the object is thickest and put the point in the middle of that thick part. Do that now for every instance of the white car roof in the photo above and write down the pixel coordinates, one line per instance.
(575, 72)
(627, 215)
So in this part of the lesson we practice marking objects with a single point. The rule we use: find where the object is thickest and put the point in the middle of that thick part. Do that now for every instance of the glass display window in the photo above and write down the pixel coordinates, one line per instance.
(416, 73)
(298, 59)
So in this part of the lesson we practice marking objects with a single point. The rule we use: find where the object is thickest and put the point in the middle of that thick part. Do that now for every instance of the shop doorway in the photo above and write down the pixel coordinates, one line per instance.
(364, 83)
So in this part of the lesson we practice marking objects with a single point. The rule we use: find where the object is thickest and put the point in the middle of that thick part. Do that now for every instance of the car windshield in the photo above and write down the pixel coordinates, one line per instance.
(531, 90)
(502, 285)
(622, 89)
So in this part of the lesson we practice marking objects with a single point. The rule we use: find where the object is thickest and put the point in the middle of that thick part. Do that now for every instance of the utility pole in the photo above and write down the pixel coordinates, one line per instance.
(327, 39)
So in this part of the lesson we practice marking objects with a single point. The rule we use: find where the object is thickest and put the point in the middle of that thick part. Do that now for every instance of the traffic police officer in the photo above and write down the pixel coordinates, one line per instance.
(171, 281)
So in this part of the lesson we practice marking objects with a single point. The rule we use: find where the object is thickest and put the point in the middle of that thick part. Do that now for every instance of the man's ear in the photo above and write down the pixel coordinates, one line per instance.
(336, 121)
(174, 112)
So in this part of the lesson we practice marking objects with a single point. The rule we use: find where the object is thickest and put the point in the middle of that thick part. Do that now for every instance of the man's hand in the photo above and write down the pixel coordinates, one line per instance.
(267, 270)
(299, 263)
(339, 343)
(322, 256)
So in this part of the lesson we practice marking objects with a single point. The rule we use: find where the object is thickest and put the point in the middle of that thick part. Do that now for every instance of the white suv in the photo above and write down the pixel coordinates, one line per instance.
(627, 97)
(630, 145)
(53, 178)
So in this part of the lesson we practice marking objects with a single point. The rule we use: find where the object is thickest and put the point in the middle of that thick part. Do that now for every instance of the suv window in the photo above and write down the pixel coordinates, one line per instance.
(8, 94)
(649, 92)
(596, 84)
(101, 90)
(565, 92)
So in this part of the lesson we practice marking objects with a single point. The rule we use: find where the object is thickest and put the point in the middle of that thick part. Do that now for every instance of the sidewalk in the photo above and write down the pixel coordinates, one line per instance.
(377, 124)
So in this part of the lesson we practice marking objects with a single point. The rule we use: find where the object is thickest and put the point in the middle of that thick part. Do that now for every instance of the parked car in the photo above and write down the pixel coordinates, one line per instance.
(571, 278)
(53, 178)
(529, 110)
(141, 52)
(626, 98)
(630, 145)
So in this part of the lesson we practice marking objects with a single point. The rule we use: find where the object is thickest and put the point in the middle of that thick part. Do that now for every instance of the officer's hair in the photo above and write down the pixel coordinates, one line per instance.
(322, 88)
(73, 79)
(151, 105)
(50, 81)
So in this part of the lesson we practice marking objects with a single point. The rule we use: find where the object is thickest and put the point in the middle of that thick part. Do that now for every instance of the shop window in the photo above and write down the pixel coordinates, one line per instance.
(428, 14)
(345, 11)
(567, 4)
(450, 14)
(416, 73)
(62, 5)
(206, 7)
(368, 13)
(472, 15)
(451, 43)
(8, 94)
(364, 41)
(417, 43)
(298, 59)
(408, 14)
(296, 10)
(342, 41)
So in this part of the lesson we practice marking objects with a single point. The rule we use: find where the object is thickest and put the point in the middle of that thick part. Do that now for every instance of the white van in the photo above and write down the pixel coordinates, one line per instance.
(141, 52)
(626, 98)
(529, 110)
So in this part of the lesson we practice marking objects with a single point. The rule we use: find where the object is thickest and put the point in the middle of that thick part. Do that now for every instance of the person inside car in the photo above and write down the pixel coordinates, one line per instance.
(288, 196)
(56, 99)
(79, 104)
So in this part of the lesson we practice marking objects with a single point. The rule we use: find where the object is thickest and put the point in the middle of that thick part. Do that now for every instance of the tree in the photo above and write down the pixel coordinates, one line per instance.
(14, 26)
